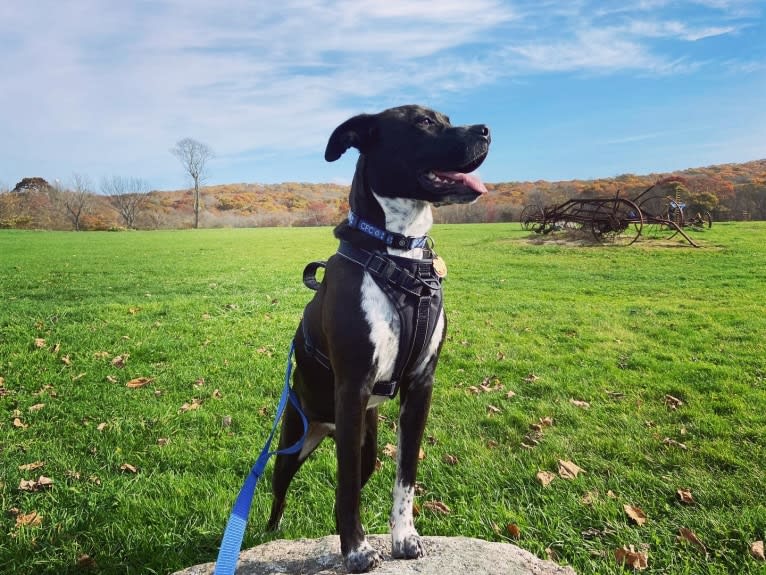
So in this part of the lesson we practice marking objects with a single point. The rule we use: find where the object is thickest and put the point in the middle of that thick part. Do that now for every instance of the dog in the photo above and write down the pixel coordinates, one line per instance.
(376, 325)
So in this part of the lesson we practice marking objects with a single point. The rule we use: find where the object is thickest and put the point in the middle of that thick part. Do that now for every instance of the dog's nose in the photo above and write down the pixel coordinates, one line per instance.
(483, 131)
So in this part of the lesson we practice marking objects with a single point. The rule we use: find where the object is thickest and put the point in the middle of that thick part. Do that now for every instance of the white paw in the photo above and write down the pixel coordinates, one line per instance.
(362, 559)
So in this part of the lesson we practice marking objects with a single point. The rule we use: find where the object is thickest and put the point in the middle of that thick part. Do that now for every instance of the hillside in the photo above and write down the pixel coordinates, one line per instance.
(728, 191)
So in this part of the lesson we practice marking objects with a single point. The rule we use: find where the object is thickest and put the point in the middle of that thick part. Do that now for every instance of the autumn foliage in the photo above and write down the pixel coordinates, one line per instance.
(727, 191)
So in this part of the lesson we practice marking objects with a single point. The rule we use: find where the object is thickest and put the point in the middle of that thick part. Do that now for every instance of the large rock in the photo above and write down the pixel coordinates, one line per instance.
(444, 556)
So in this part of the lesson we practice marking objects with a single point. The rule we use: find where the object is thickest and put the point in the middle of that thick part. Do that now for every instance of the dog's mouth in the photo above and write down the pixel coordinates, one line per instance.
(461, 180)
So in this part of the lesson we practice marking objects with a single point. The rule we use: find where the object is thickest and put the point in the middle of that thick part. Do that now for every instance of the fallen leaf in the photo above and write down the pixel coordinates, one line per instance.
(545, 477)
(611, 494)
(689, 536)
(76, 475)
(128, 468)
(111, 379)
(673, 403)
(449, 459)
(492, 410)
(551, 554)
(38, 484)
(510, 394)
(86, 563)
(44, 482)
(36, 407)
(199, 382)
(18, 424)
(756, 550)
(27, 485)
(492, 444)
(39, 343)
(390, 450)
(579, 403)
(638, 560)
(635, 514)
(436, 507)
(685, 496)
(101, 354)
(195, 404)
(163, 441)
(674, 443)
(217, 394)
(569, 470)
(226, 421)
(421, 454)
(65, 360)
(531, 378)
(32, 466)
(139, 382)
(263, 411)
(120, 360)
(589, 498)
(513, 530)
(32, 519)
(101, 426)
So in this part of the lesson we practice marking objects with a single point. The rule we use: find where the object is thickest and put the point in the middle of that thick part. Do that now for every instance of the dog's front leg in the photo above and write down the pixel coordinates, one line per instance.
(350, 404)
(405, 541)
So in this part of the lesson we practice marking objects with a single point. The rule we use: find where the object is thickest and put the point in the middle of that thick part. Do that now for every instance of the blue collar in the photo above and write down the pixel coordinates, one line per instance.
(391, 239)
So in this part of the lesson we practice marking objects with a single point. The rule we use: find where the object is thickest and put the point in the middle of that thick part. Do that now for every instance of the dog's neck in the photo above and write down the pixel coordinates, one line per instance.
(399, 215)
(407, 217)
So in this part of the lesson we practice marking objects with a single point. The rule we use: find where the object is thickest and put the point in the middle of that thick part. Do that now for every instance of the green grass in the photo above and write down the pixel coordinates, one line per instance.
(620, 328)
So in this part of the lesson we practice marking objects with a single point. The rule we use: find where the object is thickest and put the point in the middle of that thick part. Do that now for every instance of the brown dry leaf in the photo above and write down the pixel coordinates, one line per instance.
(449, 459)
(756, 550)
(139, 382)
(510, 394)
(492, 410)
(638, 560)
(690, 536)
(263, 411)
(579, 403)
(217, 394)
(390, 450)
(551, 554)
(38, 484)
(101, 354)
(66, 360)
(195, 404)
(111, 379)
(18, 424)
(27, 485)
(32, 519)
(545, 477)
(546, 421)
(120, 360)
(685, 496)
(673, 403)
(32, 466)
(492, 444)
(531, 378)
(44, 482)
(611, 494)
(86, 563)
(437, 507)
(163, 441)
(39, 343)
(635, 514)
(513, 530)
(128, 468)
(569, 470)
(421, 454)
(674, 443)
(101, 426)
(589, 498)
(36, 407)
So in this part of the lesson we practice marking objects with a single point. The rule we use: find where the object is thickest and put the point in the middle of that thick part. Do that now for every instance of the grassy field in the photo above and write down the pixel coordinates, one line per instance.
(664, 343)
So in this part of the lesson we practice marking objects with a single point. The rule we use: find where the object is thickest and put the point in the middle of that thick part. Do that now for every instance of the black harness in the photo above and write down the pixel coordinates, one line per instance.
(414, 290)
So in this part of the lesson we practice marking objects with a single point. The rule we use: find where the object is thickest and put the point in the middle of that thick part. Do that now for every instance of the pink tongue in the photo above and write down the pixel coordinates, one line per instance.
(469, 180)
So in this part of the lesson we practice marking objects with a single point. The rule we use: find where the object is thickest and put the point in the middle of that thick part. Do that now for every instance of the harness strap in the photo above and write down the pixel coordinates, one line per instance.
(386, 268)
(310, 275)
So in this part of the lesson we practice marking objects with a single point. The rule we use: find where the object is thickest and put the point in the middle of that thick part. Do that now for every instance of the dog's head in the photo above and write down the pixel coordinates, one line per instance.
(413, 152)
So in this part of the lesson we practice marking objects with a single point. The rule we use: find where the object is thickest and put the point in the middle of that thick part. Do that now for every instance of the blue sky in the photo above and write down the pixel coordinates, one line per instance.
(570, 88)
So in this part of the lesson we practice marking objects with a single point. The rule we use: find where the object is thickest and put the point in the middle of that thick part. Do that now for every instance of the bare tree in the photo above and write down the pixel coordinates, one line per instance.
(76, 201)
(193, 156)
(127, 195)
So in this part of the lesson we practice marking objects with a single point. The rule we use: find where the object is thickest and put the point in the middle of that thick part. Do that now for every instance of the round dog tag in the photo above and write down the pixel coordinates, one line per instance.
(440, 267)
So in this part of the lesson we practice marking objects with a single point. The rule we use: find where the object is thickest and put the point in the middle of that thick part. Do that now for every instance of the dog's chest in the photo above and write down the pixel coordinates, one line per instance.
(385, 331)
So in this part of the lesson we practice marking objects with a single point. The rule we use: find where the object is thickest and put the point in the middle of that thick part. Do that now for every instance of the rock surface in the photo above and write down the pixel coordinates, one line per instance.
(444, 556)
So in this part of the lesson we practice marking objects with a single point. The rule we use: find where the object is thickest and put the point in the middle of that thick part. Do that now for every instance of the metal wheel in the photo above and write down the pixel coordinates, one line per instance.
(617, 222)
(532, 218)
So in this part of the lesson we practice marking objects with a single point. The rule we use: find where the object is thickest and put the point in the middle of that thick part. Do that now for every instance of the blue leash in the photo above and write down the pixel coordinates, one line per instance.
(228, 554)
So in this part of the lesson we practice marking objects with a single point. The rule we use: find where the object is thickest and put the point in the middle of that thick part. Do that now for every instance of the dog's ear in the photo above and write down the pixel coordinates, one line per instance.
(358, 132)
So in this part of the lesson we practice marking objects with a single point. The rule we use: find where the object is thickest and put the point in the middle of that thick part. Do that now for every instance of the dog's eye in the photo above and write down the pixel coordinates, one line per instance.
(425, 121)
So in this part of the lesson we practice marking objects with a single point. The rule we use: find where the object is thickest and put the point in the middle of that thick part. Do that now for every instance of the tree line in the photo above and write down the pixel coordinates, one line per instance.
(728, 192)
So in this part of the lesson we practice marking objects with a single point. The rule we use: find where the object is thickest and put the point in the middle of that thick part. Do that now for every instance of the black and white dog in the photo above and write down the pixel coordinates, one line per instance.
(375, 325)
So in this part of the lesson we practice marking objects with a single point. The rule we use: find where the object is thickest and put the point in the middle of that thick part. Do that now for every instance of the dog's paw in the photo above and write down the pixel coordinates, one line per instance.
(408, 547)
(363, 559)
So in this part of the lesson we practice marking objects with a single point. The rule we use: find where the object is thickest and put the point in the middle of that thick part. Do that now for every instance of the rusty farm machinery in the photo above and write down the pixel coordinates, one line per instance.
(619, 220)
